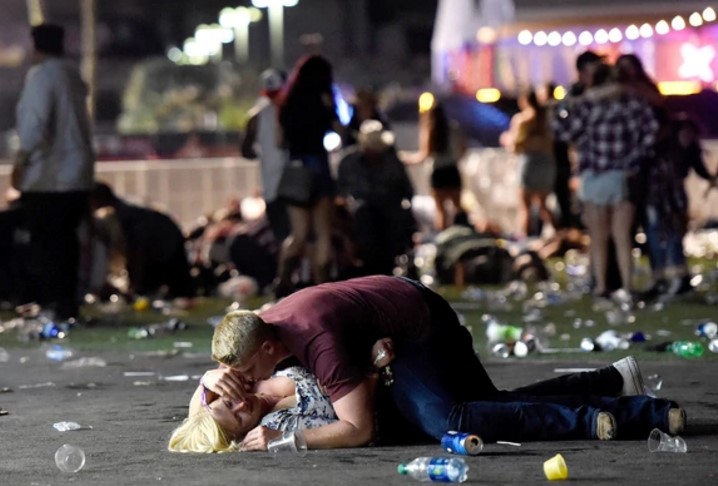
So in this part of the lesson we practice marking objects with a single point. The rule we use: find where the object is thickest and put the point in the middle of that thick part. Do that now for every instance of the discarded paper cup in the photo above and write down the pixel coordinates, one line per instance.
(661, 442)
(555, 468)
(69, 458)
(292, 442)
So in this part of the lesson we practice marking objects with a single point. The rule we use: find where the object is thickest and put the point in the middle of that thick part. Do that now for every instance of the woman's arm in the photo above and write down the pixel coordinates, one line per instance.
(508, 138)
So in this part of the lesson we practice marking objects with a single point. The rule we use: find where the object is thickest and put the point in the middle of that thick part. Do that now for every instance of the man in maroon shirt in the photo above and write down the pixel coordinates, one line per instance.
(439, 382)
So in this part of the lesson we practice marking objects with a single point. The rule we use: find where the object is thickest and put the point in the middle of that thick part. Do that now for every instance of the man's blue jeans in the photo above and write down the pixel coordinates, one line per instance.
(441, 385)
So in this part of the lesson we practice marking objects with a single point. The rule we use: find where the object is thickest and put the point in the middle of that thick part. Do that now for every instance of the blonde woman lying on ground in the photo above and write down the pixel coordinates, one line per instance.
(291, 399)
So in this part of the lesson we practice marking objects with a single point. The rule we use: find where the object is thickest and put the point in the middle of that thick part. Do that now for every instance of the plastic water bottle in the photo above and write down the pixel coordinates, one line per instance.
(707, 329)
(436, 469)
(58, 353)
(687, 349)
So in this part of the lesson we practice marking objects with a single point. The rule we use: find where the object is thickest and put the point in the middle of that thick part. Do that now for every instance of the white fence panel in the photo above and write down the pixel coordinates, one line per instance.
(191, 188)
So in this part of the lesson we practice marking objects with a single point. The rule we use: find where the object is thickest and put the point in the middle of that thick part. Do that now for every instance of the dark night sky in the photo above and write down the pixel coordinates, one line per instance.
(145, 27)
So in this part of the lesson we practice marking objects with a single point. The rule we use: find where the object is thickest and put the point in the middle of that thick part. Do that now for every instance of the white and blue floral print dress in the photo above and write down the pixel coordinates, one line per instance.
(313, 408)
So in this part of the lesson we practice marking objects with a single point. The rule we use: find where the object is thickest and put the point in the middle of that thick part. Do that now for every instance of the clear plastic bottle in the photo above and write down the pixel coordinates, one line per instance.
(687, 349)
(58, 353)
(436, 469)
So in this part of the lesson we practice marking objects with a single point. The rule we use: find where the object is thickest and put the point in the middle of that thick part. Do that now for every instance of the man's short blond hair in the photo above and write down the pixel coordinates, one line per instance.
(238, 336)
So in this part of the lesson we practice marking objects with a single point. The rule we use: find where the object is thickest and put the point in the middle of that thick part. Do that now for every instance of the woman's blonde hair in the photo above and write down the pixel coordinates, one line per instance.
(238, 336)
(201, 433)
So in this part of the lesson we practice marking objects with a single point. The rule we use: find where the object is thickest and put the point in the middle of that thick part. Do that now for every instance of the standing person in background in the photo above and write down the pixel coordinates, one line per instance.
(653, 173)
(632, 76)
(374, 186)
(614, 132)
(54, 171)
(586, 64)
(260, 139)
(666, 210)
(307, 112)
(366, 107)
(531, 139)
(442, 144)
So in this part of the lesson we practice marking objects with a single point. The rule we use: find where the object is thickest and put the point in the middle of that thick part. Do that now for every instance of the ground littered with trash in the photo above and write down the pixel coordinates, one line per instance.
(127, 408)
(112, 390)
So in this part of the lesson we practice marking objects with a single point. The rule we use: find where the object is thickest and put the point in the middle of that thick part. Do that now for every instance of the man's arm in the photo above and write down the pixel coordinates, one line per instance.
(34, 110)
(355, 426)
(250, 136)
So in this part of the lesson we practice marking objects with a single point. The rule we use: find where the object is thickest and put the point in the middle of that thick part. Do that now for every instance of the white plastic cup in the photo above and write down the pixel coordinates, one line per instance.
(292, 442)
(69, 458)
(661, 442)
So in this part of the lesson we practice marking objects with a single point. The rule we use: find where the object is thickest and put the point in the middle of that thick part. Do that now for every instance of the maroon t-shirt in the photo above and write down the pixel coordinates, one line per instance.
(331, 328)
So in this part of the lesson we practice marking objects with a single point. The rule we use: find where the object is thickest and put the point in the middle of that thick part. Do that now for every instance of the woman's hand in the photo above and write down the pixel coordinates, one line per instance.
(258, 438)
(227, 383)
(382, 353)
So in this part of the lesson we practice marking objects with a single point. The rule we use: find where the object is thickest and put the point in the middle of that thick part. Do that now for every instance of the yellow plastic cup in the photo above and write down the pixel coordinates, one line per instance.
(555, 468)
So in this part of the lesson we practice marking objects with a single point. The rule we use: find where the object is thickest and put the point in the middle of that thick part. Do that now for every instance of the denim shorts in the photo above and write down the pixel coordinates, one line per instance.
(606, 188)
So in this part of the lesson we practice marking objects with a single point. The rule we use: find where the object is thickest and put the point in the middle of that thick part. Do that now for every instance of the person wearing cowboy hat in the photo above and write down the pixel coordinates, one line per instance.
(374, 186)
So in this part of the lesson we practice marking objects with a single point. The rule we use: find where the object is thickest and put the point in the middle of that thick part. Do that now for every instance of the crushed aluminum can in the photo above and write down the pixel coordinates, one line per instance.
(462, 443)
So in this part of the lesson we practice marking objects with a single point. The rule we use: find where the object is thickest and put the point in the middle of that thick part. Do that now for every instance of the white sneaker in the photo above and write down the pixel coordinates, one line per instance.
(631, 373)
(605, 426)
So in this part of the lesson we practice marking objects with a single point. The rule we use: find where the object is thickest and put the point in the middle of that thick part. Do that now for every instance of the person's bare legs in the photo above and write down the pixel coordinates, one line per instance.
(443, 217)
(440, 217)
(621, 230)
(544, 212)
(293, 245)
(597, 220)
(322, 223)
(524, 211)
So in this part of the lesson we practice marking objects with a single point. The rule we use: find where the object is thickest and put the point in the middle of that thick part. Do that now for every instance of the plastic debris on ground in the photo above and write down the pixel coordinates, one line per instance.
(84, 362)
(70, 426)
(170, 326)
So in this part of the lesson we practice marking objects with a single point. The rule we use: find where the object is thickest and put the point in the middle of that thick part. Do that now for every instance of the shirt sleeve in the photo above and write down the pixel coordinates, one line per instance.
(646, 125)
(34, 110)
(568, 121)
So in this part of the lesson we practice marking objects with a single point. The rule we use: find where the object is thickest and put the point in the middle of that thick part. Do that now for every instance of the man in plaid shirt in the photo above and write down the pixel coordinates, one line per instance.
(614, 132)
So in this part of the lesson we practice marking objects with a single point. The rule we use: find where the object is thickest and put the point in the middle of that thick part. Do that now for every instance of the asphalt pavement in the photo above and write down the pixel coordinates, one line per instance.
(129, 406)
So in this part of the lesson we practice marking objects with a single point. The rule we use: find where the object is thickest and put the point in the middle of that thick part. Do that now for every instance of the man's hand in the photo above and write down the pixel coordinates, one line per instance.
(21, 159)
(258, 438)
(382, 353)
(16, 176)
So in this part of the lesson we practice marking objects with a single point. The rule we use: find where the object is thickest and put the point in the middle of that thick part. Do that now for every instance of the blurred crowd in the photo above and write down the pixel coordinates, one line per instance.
(610, 152)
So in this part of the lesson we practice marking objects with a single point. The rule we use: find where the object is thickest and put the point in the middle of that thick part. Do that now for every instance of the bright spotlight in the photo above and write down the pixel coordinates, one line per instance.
(569, 39)
(525, 37)
(585, 38)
